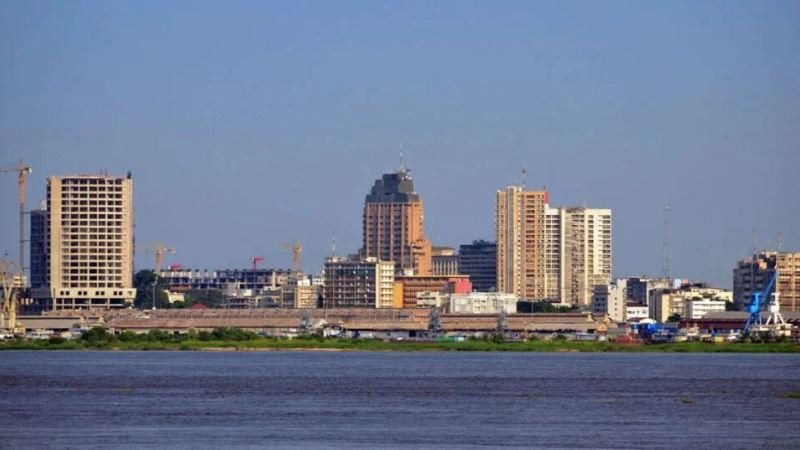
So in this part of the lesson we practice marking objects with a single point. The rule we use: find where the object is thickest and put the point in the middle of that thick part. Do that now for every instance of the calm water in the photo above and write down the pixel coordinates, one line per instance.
(391, 400)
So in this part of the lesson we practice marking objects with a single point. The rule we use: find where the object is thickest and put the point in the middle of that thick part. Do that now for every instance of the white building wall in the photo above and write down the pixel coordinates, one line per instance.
(483, 303)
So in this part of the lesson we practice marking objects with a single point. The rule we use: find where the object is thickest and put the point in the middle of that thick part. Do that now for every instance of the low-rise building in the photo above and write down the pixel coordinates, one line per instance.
(483, 303)
(432, 300)
(696, 309)
(610, 299)
(444, 261)
(410, 286)
(635, 312)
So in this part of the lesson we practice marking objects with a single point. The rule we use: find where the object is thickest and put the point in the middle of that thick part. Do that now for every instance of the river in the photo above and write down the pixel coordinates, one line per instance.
(444, 400)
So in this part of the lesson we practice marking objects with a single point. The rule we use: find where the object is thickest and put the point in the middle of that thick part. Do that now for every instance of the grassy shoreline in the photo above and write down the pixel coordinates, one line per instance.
(268, 344)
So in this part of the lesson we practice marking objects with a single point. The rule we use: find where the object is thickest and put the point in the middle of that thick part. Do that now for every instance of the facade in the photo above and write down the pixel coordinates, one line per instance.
(479, 261)
(635, 312)
(88, 244)
(585, 253)
(38, 248)
(410, 286)
(358, 283)
(257, 280)
(610, 299)
(752, 274)
(299, 292)
(393, 225)
(444, 261)
(640, 288)
(520, 221)
(696, 309)
(483, 303)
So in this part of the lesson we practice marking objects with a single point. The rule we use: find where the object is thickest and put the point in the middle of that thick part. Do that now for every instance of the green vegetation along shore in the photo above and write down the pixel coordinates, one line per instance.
(234, 339)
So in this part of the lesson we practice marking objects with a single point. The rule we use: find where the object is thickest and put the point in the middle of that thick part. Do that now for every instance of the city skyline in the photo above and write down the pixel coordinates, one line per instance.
(273, 134)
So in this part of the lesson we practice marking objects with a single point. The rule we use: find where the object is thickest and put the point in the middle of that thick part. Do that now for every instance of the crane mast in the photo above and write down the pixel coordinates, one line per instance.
(22, 170)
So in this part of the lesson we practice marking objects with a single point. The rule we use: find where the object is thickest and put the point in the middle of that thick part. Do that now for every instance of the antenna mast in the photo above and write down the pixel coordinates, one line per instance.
(667, 269)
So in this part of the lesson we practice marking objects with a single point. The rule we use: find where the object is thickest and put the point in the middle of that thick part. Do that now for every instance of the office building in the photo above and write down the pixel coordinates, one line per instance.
(479, 261)
(444, 261)
(752, 274)
(355, 282)
(87, 243)
(393, 225)
(520, 217)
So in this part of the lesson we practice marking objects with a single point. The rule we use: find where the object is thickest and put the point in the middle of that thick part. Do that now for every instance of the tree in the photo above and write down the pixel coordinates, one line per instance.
(674, 318)
(212, 298)
(143, 282)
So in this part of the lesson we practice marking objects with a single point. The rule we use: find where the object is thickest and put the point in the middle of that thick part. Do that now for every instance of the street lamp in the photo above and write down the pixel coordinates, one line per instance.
(154, 294)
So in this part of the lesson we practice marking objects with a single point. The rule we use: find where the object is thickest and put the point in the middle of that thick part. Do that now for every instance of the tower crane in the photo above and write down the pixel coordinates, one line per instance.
(297, 250)
(22, 170)
(255, 260)
(159, 249)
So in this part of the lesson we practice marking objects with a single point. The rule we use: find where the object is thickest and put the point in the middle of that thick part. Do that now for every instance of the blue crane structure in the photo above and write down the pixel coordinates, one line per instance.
(757, 301)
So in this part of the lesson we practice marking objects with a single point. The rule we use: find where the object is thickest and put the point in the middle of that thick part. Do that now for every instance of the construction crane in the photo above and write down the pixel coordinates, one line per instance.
(23, 172)
(255, 260)
(297, 251)
(159, 251)
(757, 301)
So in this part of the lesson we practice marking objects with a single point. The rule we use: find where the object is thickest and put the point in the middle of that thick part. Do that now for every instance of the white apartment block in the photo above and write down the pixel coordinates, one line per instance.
(578, 253)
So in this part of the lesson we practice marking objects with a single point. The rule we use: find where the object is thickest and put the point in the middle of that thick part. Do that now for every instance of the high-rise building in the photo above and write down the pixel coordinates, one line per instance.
(479, 261)
(752, 274)
(520, 225)
(358, 283)
(552, 254)
(38, 248)
(88, 243)
(393, 226)
(577, 253)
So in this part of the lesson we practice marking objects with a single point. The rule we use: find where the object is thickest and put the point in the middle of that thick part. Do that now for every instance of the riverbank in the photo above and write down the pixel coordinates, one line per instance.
(310, 344)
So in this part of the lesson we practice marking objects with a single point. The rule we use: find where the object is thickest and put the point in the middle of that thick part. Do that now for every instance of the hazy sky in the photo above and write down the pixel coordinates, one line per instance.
(250, 124)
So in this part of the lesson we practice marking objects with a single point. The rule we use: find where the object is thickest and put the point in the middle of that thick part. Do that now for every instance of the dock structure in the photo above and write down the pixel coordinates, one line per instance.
(280, 322)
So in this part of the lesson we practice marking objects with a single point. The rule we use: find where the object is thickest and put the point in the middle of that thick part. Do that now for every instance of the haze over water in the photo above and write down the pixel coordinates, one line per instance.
(392, 400)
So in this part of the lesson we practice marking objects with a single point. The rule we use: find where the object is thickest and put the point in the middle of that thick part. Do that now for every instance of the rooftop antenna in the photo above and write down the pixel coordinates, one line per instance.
(402, 165)
(524, 176)
(780, 242)
(333, 245)
(754, 243)
(667, 269)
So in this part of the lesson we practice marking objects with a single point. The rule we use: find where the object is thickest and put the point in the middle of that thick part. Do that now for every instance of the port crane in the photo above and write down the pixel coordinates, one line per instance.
(22, 170)
(775, 325)
(159, 249)
(297, 250)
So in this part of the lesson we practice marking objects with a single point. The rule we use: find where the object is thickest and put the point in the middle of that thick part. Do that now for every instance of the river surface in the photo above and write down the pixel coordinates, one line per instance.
(396, 400)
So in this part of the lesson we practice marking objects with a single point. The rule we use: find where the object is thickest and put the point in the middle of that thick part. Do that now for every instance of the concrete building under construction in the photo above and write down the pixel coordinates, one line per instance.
(82, 244)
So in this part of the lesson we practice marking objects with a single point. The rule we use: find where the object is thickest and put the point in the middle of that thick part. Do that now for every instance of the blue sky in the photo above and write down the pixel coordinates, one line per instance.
(250, 124)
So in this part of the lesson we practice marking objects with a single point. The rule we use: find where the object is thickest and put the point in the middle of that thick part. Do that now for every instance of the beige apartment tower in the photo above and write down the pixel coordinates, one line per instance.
(521, 247)
(87, 244)
(393, 225)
